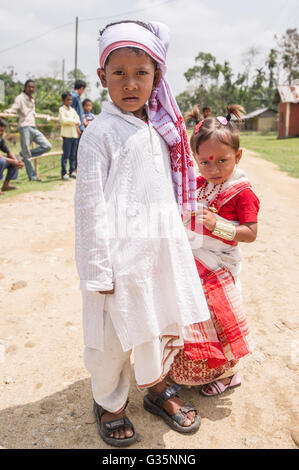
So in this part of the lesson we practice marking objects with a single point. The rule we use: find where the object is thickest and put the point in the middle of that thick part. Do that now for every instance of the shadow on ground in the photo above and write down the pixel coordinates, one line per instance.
(66, 420)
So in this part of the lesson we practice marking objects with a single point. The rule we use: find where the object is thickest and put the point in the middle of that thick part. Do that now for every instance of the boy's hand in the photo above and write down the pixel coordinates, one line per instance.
(106, 291)
(208, 219)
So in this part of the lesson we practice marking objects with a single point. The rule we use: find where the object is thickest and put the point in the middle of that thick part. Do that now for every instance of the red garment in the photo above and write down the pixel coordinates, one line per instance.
(243, 207)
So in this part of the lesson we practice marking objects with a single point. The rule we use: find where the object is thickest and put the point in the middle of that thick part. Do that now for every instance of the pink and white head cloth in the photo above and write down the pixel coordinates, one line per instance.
(164, 112)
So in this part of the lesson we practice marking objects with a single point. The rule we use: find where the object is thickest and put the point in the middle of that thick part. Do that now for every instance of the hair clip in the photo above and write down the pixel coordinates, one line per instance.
(198, 126)
(222, 120)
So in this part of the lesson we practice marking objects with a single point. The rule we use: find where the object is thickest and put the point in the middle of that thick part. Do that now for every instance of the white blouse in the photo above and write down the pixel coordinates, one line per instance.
(129, 234)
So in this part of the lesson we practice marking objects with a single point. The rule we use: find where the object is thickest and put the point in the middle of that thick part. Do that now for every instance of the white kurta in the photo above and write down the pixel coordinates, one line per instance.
(129, 235)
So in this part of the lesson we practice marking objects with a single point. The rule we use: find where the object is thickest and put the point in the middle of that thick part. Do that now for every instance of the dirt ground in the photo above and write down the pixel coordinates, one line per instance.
(46, 399)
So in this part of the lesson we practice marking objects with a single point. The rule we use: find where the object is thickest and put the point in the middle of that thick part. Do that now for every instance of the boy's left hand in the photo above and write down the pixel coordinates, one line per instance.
(208, 219)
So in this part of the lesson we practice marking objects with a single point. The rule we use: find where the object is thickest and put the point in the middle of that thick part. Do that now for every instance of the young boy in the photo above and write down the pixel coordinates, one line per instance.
(87, 114)
(138, 278)
(10, 162)
(69, 121)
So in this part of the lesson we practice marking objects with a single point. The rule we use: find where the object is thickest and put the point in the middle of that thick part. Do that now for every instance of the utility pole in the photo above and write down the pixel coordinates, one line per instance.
(76, 47)
(63, 72)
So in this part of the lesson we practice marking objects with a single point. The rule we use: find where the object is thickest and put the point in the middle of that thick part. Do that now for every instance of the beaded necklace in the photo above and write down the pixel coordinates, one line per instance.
(205, 196)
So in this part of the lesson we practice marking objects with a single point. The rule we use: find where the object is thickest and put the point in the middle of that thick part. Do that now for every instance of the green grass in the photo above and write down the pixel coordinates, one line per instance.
(49, 169)
(283, 152)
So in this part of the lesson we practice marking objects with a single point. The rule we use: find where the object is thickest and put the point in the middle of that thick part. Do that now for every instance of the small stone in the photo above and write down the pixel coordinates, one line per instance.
(48, 440)
(295, 435)
(73, 328)
(59, 419)
(29, 344)
(11, 348)
(18, 285)
(38, 385)
(139, 437)
(258, 356)
(8, 380)
(290, 325)
(2, 276)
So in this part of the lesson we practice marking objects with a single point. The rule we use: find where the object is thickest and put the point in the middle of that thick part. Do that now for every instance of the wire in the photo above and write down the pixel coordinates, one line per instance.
(81, 21)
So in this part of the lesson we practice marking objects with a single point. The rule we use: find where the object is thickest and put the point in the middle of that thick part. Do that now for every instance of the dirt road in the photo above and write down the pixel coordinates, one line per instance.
(46, 399)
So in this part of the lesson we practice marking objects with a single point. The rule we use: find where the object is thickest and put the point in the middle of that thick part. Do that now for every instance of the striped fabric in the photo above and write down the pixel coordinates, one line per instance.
(214, 346)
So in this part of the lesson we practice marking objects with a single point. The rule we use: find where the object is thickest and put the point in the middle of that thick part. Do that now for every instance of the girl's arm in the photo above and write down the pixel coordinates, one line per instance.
(244, 233)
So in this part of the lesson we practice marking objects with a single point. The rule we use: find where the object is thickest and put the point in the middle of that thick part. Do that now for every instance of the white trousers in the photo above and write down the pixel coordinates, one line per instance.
(110, 370)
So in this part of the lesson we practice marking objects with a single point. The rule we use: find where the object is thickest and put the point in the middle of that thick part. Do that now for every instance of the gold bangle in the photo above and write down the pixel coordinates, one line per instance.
(224, 230)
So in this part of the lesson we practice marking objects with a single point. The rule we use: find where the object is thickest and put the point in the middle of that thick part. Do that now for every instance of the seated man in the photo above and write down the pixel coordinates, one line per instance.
(9, 162)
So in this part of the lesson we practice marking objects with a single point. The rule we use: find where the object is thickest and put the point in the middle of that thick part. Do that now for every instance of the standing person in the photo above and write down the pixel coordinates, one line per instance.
(87, 114)
(69, 121)
(206, 112)
(78, 91)
(138, 277)
(9, 162)
(228, 210)
(24, 106)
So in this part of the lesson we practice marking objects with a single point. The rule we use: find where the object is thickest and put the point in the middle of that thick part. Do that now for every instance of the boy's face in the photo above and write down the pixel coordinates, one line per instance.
(130, 79)
(67, 101)
(1, 131)
(88, 107)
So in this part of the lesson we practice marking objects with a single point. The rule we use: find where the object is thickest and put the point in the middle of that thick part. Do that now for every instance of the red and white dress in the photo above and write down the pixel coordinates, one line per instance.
(214, 346)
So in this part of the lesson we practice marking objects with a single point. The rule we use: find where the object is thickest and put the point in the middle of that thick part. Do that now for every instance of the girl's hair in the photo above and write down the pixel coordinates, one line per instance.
(134, 49)
(212, 128)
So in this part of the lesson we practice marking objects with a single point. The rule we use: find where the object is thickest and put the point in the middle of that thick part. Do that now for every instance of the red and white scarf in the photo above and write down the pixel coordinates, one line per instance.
(164, 112)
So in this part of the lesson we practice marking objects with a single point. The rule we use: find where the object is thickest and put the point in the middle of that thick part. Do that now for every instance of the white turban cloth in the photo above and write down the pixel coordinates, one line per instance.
(164, 112)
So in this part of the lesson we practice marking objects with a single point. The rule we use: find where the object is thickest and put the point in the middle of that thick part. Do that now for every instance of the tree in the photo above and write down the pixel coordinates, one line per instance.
(71, 79)
(289, 53)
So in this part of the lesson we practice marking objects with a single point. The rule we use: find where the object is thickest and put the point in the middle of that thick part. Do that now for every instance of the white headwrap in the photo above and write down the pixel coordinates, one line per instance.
(164, 112)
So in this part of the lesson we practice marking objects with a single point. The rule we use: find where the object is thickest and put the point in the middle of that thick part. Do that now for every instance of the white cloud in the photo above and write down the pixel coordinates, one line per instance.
(224, 29)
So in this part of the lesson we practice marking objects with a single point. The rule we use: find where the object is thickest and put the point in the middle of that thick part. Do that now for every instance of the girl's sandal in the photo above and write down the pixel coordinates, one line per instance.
(105, 429)
(153, 402)
(217, 387)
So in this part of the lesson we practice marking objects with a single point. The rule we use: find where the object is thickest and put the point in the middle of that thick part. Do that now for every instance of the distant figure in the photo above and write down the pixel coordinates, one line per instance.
(25, 108)
(79, 88)
(9, 162)
(206, 112)
(69, 121)
(87, 114)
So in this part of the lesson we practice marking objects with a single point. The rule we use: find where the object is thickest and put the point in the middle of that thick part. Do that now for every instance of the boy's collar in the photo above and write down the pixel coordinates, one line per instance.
(111, 108)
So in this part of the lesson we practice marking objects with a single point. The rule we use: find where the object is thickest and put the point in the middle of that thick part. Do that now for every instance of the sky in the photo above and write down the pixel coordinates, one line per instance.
(226, 29)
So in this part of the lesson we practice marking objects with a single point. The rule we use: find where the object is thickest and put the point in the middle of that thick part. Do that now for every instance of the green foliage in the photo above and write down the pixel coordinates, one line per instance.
(216, 85)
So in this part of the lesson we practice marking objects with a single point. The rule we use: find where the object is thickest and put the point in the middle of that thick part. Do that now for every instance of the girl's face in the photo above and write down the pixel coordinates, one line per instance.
(216, 161)
(130, 79)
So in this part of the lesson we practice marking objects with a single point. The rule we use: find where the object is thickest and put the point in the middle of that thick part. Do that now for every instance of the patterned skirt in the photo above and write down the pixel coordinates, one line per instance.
(214, 346)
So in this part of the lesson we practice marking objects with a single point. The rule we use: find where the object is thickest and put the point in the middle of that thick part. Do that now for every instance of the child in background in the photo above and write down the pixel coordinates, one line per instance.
(87, 114)
(69, 121)
(138, 277)
(227, 214)
(8, 162)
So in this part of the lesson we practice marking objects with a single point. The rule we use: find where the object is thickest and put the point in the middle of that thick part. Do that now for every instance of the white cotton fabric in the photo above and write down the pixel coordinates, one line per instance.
(123, 185)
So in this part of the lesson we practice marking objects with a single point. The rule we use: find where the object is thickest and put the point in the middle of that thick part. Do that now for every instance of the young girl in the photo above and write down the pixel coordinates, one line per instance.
(227, 214)
(138, 277)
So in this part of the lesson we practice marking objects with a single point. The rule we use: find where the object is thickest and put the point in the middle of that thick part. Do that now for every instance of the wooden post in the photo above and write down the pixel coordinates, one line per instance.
(76, 48)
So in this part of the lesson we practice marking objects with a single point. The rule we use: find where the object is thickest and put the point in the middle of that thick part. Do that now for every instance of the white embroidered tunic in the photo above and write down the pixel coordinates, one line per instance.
(129, 234)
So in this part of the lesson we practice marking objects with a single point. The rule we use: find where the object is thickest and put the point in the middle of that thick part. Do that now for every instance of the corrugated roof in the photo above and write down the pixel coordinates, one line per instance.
(289, 93)
(253, 114)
